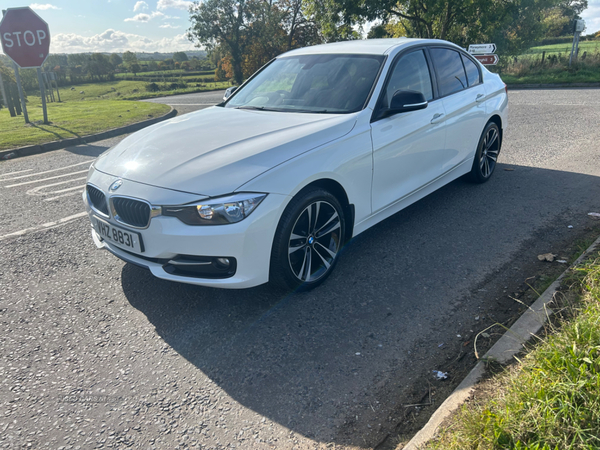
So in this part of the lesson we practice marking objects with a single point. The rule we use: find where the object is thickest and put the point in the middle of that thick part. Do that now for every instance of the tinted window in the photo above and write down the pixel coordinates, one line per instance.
(450, 70)
(410, 73)
(472, 71)
(311, 83)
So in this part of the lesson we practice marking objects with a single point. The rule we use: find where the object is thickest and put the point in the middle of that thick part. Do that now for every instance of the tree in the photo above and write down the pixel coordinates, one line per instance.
(135, 68)
(558, 21)
(129, 58)
(180, 57)
(152, 66)
(512, 25)
(115, 60)
(222, 23)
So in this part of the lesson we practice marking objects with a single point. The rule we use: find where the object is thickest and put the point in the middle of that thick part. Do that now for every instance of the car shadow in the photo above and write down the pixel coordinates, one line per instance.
(314, 361)
(87, 149)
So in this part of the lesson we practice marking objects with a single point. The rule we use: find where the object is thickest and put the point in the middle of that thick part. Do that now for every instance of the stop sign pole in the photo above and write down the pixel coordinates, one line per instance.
(25, 39)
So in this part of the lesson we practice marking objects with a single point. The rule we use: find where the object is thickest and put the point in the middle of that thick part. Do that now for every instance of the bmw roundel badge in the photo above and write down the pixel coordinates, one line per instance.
(116, 185)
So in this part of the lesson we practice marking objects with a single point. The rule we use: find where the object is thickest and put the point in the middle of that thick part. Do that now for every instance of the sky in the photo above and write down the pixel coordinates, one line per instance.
(113, 25)
(141, 25)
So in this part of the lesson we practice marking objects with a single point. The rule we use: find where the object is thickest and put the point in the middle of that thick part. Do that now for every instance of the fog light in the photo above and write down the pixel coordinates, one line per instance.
(223, 261)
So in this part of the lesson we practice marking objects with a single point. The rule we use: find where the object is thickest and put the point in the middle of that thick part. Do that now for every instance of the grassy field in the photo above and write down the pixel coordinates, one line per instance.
(129, 90)
(528, 68)
(551, 399)
(584, 46)
(72, 119)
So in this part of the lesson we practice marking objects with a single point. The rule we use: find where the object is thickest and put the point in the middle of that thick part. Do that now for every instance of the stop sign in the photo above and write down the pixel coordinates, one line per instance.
(25, 37)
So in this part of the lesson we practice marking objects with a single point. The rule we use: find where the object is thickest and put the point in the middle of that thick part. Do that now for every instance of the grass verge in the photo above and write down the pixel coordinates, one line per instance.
(127, 90)
(551, 399)
(72, 119)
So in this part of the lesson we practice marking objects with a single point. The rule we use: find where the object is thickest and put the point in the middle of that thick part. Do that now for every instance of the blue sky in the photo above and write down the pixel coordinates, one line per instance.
(114, 25)
(140, 25)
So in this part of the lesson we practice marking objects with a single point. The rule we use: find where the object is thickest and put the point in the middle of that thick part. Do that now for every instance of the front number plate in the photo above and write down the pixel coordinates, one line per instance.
(129, 240)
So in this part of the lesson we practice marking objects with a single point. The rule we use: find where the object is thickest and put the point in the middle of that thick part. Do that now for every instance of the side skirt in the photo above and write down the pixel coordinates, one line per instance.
(457, 172)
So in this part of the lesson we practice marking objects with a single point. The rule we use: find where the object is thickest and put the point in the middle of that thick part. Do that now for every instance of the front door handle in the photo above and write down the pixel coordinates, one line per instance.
(480, 98)
(437, 118)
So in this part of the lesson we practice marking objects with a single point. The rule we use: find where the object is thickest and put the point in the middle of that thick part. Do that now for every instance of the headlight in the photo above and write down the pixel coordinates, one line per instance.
(216, 211)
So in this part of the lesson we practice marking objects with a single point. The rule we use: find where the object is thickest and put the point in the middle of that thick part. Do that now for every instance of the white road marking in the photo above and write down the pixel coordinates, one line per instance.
(48, 171)
(8, 174)
(44, 226)
(36, 191)
(46, 179)
(64, 195)
(191, 104)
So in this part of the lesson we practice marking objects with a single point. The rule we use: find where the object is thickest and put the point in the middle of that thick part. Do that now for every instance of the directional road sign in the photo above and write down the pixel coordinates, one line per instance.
(487, 60)
(25, 37)
(482, 48)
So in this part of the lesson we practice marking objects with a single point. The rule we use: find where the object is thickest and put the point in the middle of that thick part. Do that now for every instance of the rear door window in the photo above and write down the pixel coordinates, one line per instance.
(449, 69)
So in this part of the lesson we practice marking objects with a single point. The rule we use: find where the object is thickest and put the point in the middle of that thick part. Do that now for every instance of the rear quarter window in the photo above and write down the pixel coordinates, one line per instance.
(473, 76)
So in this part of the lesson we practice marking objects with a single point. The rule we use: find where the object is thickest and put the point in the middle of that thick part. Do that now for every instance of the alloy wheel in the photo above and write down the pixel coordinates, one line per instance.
(314, 241)
(489, 153)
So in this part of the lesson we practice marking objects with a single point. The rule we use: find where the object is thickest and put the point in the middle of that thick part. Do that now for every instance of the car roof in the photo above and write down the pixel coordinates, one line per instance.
(363, 47)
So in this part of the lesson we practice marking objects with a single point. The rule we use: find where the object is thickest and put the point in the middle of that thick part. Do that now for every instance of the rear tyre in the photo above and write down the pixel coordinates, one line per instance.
(486, 155)
(308, 240)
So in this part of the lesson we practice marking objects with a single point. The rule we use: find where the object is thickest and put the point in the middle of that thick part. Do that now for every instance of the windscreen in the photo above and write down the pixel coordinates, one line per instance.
(312, 84)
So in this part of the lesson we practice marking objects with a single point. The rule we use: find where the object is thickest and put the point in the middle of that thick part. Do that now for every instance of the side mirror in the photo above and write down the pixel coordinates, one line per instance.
(228, 92)
(404, 101)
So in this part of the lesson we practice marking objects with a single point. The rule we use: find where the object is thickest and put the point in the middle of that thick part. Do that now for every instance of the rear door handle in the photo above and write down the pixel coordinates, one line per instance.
(480, 98)
(437, 118)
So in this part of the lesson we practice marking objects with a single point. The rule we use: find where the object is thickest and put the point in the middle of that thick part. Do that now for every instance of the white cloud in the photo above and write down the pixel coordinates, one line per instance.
(143, 17)
(117, 41)
(44, 7)
(168, 25)
(177, 4)
(140, 6)
(138, 18)
(592, 17)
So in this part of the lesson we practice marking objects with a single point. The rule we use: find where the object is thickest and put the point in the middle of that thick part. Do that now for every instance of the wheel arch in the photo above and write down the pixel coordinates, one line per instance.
(498, 121)
(339, 192)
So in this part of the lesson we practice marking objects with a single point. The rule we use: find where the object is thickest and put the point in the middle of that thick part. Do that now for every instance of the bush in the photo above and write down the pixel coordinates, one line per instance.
(152, 87)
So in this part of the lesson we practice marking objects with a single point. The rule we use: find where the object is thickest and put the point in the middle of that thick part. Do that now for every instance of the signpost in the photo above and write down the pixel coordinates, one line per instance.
(482, 48)
(487, 60)
(484, 53)
(25, 39)
(578, 27)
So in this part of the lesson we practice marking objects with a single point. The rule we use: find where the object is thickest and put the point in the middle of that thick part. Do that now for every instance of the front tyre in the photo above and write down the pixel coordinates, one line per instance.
(486, 156)
(309, 237)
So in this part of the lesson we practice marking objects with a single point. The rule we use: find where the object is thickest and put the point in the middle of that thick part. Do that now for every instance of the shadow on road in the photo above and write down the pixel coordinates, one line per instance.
(314, 362)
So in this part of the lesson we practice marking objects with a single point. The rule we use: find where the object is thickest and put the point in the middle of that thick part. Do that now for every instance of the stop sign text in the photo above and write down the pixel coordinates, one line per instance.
(25, 37)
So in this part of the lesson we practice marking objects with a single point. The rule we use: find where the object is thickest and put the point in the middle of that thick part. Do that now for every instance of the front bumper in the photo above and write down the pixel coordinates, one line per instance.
(248, 242)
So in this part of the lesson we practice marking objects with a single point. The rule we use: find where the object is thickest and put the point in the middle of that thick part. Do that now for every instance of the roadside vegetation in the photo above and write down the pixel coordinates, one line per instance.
(551, 399)
(549, 64)
(72, 119)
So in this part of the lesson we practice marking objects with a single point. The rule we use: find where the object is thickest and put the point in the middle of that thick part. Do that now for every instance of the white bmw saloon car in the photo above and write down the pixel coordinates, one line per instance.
(316, 147)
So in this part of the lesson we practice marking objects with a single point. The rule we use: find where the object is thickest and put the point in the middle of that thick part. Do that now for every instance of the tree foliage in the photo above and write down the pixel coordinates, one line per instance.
(246, 34)
(512, 25)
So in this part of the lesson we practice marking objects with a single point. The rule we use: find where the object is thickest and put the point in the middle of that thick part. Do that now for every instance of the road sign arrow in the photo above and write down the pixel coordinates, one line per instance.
(487, 60)
(482, 48)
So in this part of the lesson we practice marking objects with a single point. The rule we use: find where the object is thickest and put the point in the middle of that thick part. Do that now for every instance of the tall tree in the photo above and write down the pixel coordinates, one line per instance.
(222, 23)
(180, 57)
(513, 24)
(115, 59)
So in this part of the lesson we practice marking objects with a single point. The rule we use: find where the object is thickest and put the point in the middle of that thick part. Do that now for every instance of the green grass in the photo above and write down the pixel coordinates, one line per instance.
(72, 119)
(554, 75)
(584, 46)
(551, 400)
(129, 90)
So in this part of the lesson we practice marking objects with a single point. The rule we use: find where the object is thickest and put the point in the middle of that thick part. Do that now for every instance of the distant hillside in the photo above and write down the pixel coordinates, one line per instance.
(142, 56)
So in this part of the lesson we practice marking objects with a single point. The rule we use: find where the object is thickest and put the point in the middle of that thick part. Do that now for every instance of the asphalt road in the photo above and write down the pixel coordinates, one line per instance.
(98, 353)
